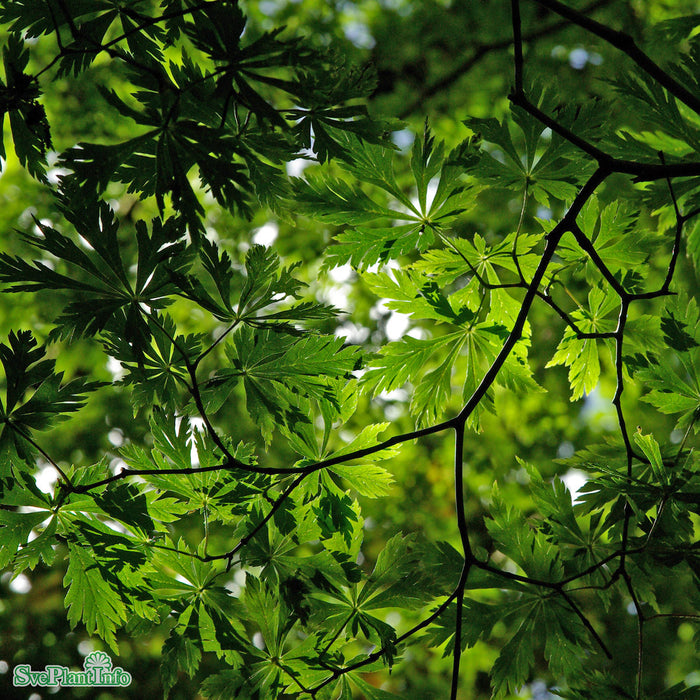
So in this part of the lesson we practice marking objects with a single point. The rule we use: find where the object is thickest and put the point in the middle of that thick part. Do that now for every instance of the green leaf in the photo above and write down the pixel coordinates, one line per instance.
(372, 692)
(615, 233)
(657, 110)
(260, 298)
(35, 397)
(263, 607)
(532, 160)
(15, 529)
(103, 294)
(566, 642)
(363, 246)
(650, 448)
(426, 161)
(470, 256)
(332, 124)
(399, 362)
(126, 503)
(478, 620)
(335, 201)
(277, 369)
(158, 370)
(581, 355)
(266, 282)
(414, 294)
(338, 514)
(513, 664)
(41, 548)
(368, 480)
(675, 335)
(524, 544)
(19, 98)
(434, 389)
(90, 599)
(674, 381)
(397, 578)
(180, 653)
(25, 15)
(555, 502)
(86, 45)
(226, 684)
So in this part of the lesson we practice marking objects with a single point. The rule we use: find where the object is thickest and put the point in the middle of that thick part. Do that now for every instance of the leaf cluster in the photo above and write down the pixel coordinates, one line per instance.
(248, 527)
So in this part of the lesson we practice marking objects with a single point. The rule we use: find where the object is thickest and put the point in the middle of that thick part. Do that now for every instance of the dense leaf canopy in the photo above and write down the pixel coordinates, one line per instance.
(351, 350)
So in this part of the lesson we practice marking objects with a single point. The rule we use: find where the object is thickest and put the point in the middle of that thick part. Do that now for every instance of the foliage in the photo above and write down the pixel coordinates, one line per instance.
(234, 518)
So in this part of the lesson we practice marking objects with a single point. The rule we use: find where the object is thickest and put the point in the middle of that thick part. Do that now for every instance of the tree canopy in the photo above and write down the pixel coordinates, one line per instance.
(351, 350)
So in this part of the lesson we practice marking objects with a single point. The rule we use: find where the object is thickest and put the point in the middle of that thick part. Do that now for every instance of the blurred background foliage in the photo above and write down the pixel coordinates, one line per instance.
(440, 60)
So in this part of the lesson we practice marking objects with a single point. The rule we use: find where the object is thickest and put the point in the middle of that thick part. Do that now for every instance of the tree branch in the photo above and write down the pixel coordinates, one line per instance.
(480, 52)
(626, 44)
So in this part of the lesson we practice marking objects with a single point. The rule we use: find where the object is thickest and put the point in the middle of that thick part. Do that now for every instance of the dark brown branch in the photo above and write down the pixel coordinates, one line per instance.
(617, 403)
(232, 463)
(467, 551)
(482, 51)
(626, 44)
(640, 631)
